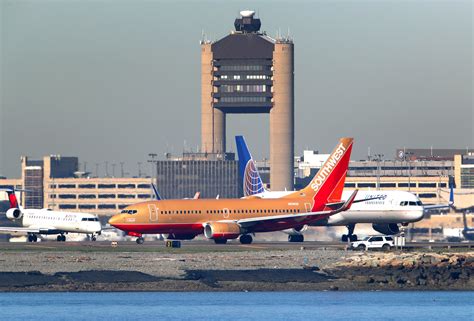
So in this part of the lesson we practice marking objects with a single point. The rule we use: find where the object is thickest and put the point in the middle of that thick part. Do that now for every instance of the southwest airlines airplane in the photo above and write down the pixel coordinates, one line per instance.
(45, 221)
(383, 209)
(224, 219)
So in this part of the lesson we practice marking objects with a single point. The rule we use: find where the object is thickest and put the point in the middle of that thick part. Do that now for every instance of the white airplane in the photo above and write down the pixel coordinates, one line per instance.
(46, 221)
(385, 210)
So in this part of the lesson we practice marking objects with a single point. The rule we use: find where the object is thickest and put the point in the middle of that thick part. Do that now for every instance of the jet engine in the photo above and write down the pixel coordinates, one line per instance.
(175, 236)
(222, 231)
(387, 229)
(14, 214)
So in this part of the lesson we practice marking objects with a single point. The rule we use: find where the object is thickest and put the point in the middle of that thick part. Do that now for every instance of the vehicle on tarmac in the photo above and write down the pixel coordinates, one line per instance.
(386, 210)
(225, 219)
(384, 242)
(35, 222)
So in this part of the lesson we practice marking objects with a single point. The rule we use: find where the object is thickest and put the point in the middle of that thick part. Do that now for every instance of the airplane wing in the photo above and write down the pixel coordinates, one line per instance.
(295, 218)
(36, 230)
(436, 207)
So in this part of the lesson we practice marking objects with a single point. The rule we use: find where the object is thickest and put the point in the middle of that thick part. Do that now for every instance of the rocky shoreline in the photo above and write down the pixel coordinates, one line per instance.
(315, 270)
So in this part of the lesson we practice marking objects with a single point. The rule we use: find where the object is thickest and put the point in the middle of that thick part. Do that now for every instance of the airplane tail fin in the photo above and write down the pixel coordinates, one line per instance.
(155, 191)
(12, 199)
(451, 195)
(251, 181)
(328, 183)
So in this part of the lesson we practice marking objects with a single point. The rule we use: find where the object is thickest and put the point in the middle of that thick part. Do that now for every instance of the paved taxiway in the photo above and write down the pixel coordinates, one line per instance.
(204, 246)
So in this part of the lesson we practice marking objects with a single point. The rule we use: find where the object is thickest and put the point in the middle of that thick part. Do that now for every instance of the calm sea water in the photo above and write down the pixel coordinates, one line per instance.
(299, 306)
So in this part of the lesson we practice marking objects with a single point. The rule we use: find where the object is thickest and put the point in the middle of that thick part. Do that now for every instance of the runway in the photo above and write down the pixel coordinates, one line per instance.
(206, 246)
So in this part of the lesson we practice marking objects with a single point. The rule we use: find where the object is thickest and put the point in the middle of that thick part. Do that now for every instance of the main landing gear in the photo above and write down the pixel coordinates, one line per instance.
(350, 236)
(220, 241)
(32, 238)
(140, 240)
(293, 238)
(61, 238)
(246, 239)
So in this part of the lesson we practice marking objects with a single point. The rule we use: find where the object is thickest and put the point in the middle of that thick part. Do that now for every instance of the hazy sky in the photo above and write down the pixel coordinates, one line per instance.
(116, 80)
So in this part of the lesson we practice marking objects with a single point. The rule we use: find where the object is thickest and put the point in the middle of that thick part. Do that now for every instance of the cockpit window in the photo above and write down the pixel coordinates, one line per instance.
(411, 203)
(124, 212)
(90, 219)
(132, 211)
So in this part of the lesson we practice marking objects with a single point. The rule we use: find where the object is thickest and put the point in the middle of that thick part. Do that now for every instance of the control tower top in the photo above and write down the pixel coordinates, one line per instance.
(247, 23)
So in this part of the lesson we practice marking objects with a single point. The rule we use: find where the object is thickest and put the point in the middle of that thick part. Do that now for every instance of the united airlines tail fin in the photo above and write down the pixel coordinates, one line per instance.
(328, 183)
(251, 181)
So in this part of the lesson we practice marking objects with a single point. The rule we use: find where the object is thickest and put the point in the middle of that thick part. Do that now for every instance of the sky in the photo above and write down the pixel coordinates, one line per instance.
(116, 80)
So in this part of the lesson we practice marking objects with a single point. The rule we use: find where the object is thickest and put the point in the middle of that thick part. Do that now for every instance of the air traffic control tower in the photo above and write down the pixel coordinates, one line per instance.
(248, 72)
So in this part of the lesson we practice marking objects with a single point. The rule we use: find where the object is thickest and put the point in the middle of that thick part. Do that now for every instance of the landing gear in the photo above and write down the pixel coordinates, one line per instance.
(93, 238)
(349, 236)
(140, 240)
(246, 239)
(32, 238)
(293, 238)
(220, 241)
(61, 238)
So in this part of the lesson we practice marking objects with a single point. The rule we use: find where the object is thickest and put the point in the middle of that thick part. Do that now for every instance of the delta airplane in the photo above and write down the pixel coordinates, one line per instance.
(385, 210)
(46, 221)
(224, 219)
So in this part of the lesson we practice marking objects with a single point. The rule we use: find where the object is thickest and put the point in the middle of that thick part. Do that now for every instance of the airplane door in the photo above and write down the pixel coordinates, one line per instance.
(307, 206)
(226, 212)
(153, 212)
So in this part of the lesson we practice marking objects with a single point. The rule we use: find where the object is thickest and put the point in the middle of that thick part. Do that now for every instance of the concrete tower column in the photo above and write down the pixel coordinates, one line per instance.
(212, 120)
(282, 119)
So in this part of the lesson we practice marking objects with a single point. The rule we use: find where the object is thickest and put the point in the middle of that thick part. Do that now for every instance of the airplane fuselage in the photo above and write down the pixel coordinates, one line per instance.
(189, 216)
(48, 220)
(391, 207)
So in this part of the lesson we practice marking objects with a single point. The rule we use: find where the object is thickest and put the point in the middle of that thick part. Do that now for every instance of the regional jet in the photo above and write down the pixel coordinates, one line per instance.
(45, 221)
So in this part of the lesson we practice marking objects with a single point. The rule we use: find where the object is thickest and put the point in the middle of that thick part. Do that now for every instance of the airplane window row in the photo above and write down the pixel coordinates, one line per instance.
(240, 211)
(411, 203)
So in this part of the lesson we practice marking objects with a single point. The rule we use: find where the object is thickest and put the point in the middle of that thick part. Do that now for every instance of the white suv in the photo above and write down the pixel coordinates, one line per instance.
(374, 242)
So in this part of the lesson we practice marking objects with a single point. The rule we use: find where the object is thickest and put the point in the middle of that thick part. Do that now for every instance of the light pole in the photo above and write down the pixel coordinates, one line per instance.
(408, 160)
(153, 163)
(378, 159)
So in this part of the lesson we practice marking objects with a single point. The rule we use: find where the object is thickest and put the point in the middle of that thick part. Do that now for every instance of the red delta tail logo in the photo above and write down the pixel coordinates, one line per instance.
(12, 199)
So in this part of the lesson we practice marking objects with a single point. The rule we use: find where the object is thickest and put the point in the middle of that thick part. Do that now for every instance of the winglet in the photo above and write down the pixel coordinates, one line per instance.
(197, 195)
(347, 205)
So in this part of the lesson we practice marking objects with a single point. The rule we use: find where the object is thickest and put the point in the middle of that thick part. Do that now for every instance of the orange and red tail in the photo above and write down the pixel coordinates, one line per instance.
(328, 183)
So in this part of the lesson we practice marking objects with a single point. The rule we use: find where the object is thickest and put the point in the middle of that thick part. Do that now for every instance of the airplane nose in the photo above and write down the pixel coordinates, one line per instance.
(114, 220)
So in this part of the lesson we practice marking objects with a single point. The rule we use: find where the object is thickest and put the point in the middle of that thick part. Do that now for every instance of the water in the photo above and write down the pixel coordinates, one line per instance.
(299, 306)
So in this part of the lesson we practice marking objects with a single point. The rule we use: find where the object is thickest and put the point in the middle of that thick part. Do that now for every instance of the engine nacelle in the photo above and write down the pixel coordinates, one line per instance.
(174, 236)
(14, 214)
(222, 231)
(387, 229)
